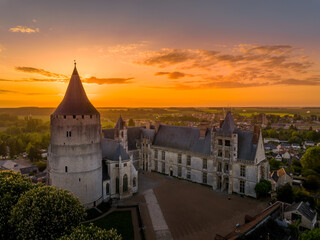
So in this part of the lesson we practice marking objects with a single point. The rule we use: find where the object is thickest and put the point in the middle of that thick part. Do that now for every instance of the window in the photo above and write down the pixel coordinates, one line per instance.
(163, 155)
(163, 167)
(64, 116)
(117, 165)
(82, 116)
(90, 116)
(219, 141)
(219, 153)
(188, 173)
(125, 165)
(219, 167)
(68, 133)
(79, 179)
(156, 165)
(74, 116)
(125, 183)
(66, 169)
(227, 142)
(179, 158)
(226, 167)
(204, 163)
(134, 182)
(179, 171)
(242, 186)
(122, 134)
(107, 189)
(204, 177)
(242, 171)
(226, 154)
(117, 185)
(156, 153)
(188, 160)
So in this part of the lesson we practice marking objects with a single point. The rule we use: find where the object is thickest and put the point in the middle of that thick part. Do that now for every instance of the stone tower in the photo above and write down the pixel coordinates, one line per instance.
(74, 155)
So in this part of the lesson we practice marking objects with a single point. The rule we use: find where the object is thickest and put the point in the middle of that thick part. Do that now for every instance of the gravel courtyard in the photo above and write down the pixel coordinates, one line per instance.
(193, 211)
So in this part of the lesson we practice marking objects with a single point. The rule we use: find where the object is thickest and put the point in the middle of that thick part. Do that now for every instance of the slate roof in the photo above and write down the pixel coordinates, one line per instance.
(275, 175)
(75, 101)
(228, 126)
(111, 150)
(183, 138)
(246, 148)
(148, 133)
(302, 208)
(134, 135)
(120, 123)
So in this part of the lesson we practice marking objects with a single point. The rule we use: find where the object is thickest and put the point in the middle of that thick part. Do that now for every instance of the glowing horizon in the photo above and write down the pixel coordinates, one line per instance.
(169, 54)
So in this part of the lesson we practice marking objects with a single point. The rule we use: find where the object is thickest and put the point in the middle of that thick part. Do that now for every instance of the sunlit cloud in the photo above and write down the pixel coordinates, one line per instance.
(39, 71)
(101, 81)
(4, 91)
(242, 66)
(24, 29)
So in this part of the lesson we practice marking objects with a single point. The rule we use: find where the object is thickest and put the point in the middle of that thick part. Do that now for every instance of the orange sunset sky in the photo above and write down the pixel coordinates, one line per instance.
(161, 53)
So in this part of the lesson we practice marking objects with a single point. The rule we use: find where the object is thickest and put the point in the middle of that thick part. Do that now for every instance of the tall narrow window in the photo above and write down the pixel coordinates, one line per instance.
(204, 163)
(227, 142)
(242, 186)
(156, 165)
(117, 185)
(219, 153)
(107, 188)
(204, 177)
(156, 153)
(188, 173)
(134, 182)
(219, 167)
(226, 167)
(125, 183)
(179, 158)
(163, 167)
(188, 160)
(179, 171)
(69, 133)
(74, 116)
(242, 170)
(66, 168)
(163, 155)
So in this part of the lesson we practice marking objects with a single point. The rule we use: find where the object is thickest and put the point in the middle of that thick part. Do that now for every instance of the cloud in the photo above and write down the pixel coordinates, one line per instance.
(3, 91)
(24, 29)
(173, 75)
(243, 65)
(101, 81)
(39, 71)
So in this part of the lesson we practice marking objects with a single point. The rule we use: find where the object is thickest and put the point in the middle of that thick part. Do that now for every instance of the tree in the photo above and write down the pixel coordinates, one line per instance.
(274, 164)
(41, 165)
(92, 232)
(46, 213)
(263, 188)
(12, 186)
(3, 149)
(311, 159)
(33, 152)
(312, 182)
(131, 123)
(285, 193)
(311, 235)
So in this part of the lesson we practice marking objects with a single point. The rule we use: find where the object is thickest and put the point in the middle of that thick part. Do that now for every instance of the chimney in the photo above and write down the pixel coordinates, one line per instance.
(256, 133)
(221, 123)
(203, 129)
(158, 123)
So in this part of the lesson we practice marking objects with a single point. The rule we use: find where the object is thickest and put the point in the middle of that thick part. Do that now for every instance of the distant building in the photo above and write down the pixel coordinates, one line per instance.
(16, 167)
(303, 212)
(280, 178)
(308, 144)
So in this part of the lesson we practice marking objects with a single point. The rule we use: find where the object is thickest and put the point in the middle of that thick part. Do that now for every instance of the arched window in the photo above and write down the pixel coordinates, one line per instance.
(117, 185)
(107, 188)
(134, 182)
(125, 183)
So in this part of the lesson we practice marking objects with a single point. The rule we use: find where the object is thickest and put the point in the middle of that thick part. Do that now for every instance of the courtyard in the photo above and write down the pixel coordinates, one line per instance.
(190, 210)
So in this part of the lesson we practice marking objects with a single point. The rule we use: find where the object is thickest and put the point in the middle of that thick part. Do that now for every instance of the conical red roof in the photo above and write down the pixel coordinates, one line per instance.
(75, 101)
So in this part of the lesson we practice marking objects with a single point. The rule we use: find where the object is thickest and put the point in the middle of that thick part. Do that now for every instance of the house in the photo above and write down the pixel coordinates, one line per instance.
(279, 178)
(278, 157)
(286, 155)
(270, 147)
(267, 140)
(302, 211)
(285, 145)
(295, 146)
(17, 167)
(308, 144)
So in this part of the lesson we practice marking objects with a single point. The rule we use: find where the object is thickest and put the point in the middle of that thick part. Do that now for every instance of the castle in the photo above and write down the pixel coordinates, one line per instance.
(97, 165)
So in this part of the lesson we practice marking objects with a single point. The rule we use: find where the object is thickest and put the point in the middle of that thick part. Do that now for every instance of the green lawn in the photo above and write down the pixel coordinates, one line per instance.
(120, 220)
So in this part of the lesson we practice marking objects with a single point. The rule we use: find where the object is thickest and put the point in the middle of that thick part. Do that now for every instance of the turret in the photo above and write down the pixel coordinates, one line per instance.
(75, 156)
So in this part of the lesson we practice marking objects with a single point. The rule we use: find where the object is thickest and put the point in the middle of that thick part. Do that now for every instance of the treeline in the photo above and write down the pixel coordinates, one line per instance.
(292, 135)
(23, 135)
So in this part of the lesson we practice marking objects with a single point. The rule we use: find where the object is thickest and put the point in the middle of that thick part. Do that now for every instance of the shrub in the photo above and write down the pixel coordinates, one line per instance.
(263, 188)
(92, 232)
(285, 193)
(46, 213)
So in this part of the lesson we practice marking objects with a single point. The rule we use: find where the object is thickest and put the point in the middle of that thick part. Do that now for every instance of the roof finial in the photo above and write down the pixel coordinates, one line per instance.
(75, 63)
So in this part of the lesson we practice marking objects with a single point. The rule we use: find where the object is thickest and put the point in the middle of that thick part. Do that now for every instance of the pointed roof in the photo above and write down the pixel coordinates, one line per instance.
(120, 123)
(228, 125)
(75, 101)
